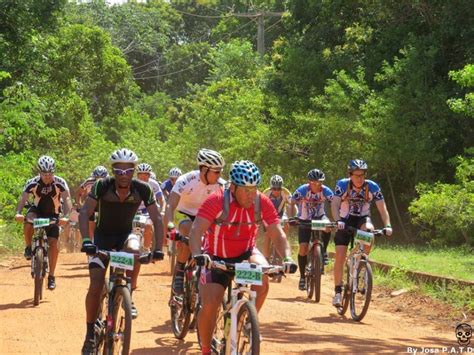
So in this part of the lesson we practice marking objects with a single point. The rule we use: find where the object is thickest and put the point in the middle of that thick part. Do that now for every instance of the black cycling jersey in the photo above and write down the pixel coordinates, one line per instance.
(115, 217)
(46, 198)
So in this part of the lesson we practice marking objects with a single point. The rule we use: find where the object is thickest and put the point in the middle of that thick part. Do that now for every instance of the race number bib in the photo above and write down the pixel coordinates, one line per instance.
(122, 260)
(319, 225)
(139, 218)
(248, 274)
(40, 222)
(364, 238)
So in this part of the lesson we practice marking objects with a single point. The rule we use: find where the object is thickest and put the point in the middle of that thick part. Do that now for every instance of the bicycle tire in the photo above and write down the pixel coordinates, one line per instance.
(38, 275)
(172, 256)
(309, 274)
(345, 293)
(317, 272)
(121, 324)
(275, 260)
(100, 327)
(181, 315)
(247, 318)
(70, 245)
(364, 270)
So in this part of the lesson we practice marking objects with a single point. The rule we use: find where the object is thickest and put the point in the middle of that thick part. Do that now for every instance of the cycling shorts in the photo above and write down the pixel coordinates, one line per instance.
(344, 237)
(52, 231)
(304, 232)
(109, 243)
(221, 277)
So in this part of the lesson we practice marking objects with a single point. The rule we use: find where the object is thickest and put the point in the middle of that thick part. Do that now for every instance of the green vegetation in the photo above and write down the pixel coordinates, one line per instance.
(388, 81)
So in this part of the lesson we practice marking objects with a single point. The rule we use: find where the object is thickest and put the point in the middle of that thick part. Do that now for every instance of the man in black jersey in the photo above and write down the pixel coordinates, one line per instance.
(117, 199)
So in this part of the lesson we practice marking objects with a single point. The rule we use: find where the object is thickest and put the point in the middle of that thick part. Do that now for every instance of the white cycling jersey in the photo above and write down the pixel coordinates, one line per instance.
(155, 186)
(193, 191)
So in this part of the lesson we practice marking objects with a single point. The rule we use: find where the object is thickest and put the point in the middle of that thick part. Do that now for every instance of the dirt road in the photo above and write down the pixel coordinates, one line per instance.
(289, 324)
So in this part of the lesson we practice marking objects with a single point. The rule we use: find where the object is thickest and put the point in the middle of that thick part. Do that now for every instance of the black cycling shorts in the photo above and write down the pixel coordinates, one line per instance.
(221, 277)
(52, 231)
(192, 218)
(344, 237)
(109, 243)
(304, 232)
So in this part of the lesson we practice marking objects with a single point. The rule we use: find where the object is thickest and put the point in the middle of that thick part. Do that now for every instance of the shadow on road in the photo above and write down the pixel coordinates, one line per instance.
(28, 303)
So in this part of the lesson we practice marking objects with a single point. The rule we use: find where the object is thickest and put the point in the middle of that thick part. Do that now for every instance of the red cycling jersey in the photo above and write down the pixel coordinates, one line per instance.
(232, 240)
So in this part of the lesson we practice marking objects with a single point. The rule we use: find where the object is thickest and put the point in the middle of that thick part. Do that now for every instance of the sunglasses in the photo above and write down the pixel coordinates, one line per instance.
(358, 175)
(276, 188)
(216, 171)
(128, 171)
(46, 173)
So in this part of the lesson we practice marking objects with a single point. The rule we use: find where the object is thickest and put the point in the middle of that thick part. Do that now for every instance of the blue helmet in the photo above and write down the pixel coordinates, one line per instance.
(357, 164)
(245, 173)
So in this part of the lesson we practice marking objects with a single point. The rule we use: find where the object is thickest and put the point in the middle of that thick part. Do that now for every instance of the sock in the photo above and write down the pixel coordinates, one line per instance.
(338, 289)
(90, 330)
(302, 264)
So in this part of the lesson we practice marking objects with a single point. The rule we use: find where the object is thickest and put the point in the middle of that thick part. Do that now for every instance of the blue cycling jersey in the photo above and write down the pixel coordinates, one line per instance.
(167, 186)
(356, 203)
(311, 205)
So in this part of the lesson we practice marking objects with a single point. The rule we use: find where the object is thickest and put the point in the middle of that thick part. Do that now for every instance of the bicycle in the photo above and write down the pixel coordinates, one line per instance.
(237, 328)
(184, 306)
(172, 248)
(357, 290)
(39, 261)
(73, 239)
(315, 259)
(138, 226)
(113, 326)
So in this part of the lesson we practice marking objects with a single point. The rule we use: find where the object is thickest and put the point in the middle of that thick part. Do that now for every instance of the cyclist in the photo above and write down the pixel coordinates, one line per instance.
(353, 197)
(168, 184)
(49, 193)
(144, 171)
(190, 190)
(231, 237)
(310, 198)
(99, 172)
(119, 197)
(281, 199)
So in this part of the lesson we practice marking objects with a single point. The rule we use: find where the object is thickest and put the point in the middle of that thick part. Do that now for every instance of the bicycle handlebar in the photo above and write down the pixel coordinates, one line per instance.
(230, 267)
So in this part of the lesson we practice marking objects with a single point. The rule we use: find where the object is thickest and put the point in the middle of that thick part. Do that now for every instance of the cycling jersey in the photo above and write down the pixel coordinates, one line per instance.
(46, 198)
(167, 186)
(356, 203)
(229, 240)
(311, 205)
(279, 202)
(115, 217)
(156, 191)
(193, 191)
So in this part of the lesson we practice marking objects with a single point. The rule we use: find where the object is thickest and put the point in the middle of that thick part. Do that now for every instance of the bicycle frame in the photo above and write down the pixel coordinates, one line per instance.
(40, 240)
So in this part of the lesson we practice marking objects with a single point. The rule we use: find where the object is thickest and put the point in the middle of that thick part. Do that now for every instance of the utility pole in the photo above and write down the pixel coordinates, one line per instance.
(261, 35)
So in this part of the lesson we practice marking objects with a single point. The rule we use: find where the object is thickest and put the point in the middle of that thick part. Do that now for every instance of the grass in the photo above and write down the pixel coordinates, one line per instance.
(11, 238)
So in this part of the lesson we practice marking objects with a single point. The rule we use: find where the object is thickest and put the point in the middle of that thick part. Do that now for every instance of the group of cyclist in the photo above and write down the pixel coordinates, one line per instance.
(221, 220)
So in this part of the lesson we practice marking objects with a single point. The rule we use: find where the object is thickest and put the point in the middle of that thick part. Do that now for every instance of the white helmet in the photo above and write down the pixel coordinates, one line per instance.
(153, 176)
(144, 168)
(174, 172)
(123, 155)
(210, 158)
(46, 164)
(100, 172)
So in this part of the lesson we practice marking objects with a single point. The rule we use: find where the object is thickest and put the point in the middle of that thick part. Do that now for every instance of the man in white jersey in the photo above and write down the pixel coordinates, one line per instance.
(187, 195)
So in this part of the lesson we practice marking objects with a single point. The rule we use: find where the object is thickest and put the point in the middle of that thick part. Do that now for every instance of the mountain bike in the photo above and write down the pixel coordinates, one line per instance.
(315, 259)
(73, 237)
(39, 260)
(185, 306)
(237, 328)
(172, 248)
(138, 227)
(357, 289)
(113, 326)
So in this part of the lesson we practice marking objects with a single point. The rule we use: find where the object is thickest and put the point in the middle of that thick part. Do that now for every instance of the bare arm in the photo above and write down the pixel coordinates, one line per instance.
(79, 192)
(21, 203)
(199, 227)
(155, 217)
(278, 238)
(170, 208)
(67, 202)
(86, 211)
(335, 207)
(382, 207)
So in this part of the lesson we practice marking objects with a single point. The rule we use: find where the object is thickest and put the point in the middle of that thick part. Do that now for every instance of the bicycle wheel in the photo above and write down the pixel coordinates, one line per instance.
(71, 240)
(180, 307)
(100, 325)
(118, 341)
(361, 293)
(248, 332)
(275, 260)
(38, 275)
(317, 272)
(346, 291)
(310, 273)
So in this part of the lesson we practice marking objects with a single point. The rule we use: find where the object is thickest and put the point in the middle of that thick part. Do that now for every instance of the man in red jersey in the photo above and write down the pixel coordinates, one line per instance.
(229, 222)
